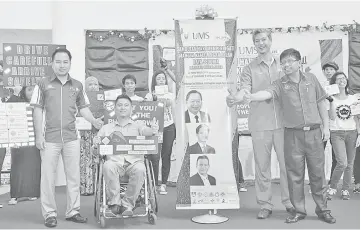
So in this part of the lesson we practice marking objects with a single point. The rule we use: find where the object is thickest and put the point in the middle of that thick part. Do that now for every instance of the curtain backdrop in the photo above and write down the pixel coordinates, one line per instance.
(113, 58)
(354, 60)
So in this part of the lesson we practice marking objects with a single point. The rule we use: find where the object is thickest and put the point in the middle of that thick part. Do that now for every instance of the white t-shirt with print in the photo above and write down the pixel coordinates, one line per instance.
(344, 119)
(136, 98)
(168, 115)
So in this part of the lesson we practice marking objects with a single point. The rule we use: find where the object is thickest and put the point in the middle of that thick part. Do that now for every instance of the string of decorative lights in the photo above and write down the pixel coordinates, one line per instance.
(206, 12)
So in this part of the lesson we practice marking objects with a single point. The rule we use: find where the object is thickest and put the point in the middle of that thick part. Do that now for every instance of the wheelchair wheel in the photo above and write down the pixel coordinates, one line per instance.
(102, 221)
(98, 194)
(152, 218)
(96, 201)
(151, 187)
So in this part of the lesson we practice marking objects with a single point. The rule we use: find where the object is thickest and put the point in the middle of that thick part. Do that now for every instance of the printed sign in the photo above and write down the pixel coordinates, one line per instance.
(118, 144)
(25, 64)
(206, 66)
(146, 111)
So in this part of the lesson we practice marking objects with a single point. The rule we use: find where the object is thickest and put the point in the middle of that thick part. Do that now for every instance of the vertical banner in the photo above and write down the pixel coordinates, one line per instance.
(206, 69)
(25, 64)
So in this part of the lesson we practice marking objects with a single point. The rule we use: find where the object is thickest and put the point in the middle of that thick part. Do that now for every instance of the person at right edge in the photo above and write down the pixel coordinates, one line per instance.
(303, 104)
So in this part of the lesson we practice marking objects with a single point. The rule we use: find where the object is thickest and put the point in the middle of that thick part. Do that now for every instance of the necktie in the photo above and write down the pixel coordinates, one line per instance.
(204, 149)
(196, 117)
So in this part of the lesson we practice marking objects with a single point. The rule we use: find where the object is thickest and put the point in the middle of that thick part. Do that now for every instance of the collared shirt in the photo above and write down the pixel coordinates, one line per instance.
(299, 100)
(131, 128)
(60, 103)
(257, 76)
(192, 117)
(203, 146)
(205, 180)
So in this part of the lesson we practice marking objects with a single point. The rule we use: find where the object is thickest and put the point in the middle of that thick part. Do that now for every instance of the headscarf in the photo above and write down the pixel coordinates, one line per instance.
(90, 80)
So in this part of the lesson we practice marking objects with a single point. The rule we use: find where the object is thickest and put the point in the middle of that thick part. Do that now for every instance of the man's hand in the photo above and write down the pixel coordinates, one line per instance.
(325, 134)
(358, 141)
(155, 126)
(98, 123)
(232, 99)
(40, 142)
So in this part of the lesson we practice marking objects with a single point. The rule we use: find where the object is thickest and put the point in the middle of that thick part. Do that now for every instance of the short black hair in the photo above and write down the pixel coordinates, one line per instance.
(129, 76)
(123, 96)
(333, 80)
(290, 52)
(261, 31)
(203, 157)
(61, 50)
(193, 91)
(200, 126)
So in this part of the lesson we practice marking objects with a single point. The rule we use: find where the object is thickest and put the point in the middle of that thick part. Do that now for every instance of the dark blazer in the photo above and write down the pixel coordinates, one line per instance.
(196, 180)
(196, 149)
(205, 118)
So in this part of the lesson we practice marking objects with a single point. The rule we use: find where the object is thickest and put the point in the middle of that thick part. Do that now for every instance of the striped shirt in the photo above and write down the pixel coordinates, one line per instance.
(60, 103)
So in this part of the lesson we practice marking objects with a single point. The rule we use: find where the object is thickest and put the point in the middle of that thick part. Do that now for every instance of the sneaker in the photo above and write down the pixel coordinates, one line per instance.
(345, 195)
(1, 205)
(163, 189)
(242, 187)
(357, 189)
(13, 201)
(330, 193)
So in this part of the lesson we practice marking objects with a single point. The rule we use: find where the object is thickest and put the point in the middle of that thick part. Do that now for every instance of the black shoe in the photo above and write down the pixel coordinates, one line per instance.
(295, 218)
(77, 218)
(125, 211)
(114, 209)
(291, 210)
(327, 217)
(264, 213)
(51, 222)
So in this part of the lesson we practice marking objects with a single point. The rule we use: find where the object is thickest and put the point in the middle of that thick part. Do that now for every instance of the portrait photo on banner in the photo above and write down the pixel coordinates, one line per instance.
(203, 170)
(201, 138)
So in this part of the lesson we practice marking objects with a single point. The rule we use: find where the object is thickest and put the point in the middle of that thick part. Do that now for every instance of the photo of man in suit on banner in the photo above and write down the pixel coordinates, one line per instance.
(201, 178)
(194, 104)
(201, 146)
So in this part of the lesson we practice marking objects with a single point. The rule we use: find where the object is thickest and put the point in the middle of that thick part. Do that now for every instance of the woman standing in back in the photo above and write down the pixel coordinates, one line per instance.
(25, 163)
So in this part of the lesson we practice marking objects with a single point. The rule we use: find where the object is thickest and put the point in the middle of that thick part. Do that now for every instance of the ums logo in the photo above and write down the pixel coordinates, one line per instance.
(195, 35)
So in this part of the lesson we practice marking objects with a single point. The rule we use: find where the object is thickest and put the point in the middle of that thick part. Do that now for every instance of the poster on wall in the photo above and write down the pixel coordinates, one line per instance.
(25, 64)
(205, 57)
(16, 125)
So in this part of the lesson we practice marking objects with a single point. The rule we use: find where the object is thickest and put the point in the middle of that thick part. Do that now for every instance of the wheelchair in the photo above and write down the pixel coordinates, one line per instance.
(147, 198)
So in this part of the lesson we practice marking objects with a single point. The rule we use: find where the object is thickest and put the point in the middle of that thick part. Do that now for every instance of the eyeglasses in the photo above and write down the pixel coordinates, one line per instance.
(288, 62)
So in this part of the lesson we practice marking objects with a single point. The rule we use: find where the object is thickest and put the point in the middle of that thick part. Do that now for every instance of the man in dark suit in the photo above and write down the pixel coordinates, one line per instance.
(194, 105)
(201, 146)
(202, 178)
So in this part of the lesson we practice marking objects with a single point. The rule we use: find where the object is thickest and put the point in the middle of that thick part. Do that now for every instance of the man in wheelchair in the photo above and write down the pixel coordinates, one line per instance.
(117, 166)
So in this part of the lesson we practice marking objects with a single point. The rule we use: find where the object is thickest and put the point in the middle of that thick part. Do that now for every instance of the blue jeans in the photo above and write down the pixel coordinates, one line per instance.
(343, 143)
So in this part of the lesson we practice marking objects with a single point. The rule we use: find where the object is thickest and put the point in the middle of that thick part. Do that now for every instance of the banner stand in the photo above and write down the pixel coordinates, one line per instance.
(210, 218)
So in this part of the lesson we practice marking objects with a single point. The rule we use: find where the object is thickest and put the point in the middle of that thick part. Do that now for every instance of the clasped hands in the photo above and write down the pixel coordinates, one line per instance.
(243, 95)
(98, 122)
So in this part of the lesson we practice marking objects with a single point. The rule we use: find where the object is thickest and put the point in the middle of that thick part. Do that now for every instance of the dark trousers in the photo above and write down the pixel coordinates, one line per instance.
(303, 147)
(236, 162)
(356, 166)
(169, 134)
(334, 161)
(2, 157)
